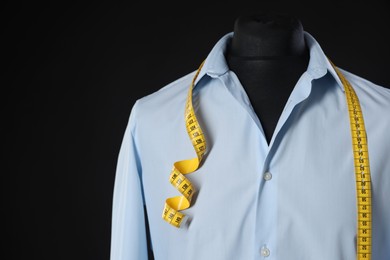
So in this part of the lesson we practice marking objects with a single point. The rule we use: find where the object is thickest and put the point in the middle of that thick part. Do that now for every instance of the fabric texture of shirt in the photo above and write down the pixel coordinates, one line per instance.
(292, 199)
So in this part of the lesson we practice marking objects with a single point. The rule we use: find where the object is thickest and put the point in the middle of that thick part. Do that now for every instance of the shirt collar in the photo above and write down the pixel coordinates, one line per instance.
(319, 63)
(215, 64)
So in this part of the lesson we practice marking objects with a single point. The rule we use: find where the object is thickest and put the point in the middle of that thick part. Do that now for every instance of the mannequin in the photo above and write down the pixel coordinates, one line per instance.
(268, 54)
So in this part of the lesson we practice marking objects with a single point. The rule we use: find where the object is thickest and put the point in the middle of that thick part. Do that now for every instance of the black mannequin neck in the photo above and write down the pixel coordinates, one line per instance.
(268, 54)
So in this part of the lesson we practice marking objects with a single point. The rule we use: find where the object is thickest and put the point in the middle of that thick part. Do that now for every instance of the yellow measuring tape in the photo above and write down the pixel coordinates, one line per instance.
(362, 171)
(171, 212)
(174, 205)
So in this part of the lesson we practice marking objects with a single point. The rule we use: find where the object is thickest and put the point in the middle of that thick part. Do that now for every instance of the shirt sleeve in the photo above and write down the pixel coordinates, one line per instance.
(128, 231)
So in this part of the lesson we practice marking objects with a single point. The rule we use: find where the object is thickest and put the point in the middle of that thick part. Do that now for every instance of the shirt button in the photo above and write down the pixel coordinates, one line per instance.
(265, 251)
(267, 176)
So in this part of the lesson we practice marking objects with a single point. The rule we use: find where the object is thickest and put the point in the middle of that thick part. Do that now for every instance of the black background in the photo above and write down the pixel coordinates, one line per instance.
(72, 73)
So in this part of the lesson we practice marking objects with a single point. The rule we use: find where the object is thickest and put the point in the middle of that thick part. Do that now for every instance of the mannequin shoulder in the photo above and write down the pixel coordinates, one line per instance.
(166, 101)
(369, 93)
(173, 92)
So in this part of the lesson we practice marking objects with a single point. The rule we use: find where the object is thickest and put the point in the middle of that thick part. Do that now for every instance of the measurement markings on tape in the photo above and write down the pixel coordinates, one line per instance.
(362, 171)
(174, 205)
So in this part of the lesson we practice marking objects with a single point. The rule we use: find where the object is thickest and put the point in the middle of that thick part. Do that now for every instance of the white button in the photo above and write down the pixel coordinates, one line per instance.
(265, 251)
(267, 176)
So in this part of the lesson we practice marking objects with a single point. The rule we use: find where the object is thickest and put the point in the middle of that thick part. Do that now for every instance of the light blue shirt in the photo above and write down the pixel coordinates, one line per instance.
(292, 199)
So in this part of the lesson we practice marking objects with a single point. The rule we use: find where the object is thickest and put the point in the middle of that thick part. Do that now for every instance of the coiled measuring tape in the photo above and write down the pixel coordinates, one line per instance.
(174, 205)
(171, 212)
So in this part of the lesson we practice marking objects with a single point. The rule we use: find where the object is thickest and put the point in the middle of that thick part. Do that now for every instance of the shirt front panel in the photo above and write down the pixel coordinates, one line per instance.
(227, 182)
